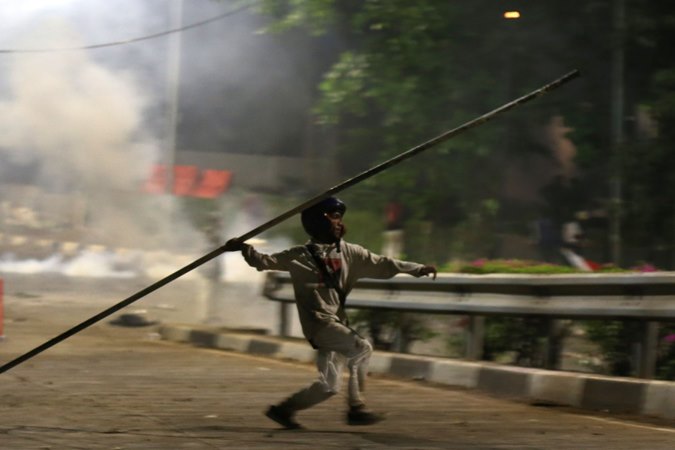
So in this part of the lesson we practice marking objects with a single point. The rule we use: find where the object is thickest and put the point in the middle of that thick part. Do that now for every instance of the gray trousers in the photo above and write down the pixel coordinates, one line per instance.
(338, 345)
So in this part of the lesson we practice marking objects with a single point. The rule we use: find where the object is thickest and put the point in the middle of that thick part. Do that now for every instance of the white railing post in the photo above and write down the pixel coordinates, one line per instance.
(648, 349)
(475, 338)
(285, 319)
(554, 343)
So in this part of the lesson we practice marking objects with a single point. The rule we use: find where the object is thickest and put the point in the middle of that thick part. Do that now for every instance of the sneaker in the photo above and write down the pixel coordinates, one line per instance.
(359, 415)
(283, 417)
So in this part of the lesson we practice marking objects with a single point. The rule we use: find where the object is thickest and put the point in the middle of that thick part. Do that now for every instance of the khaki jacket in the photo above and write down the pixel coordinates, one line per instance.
(318, 304)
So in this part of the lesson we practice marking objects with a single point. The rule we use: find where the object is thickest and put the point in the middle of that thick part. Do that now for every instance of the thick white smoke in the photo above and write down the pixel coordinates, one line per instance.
(91, 123)
(80, 122)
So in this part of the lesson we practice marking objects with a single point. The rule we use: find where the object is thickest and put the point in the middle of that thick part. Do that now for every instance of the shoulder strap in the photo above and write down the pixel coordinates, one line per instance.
(330, 280)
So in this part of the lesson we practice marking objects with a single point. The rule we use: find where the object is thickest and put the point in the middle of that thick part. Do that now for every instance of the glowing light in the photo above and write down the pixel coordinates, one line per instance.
(512, 15)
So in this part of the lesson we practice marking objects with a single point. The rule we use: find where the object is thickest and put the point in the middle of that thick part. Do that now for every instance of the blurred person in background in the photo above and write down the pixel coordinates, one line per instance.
(393, 233)
(573, 242)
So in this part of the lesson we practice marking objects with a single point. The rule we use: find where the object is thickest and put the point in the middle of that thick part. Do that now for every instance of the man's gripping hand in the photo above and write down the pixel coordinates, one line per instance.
(428, 271)
(235, 245)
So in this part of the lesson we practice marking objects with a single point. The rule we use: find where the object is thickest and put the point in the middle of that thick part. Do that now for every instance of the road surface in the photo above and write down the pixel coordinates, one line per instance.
(113, 387)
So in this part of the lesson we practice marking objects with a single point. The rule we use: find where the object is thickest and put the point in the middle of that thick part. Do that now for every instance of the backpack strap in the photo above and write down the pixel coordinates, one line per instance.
(331, 280)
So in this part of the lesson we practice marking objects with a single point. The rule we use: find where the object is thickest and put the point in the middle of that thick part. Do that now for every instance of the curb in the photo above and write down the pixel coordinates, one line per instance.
(590, 392)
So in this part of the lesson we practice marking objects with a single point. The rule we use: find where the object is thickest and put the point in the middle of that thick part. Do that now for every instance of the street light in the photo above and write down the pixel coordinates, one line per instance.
(512, 15)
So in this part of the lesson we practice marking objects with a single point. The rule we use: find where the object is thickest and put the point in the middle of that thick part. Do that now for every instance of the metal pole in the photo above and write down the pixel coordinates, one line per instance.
(475, 339)
(291, 212)
(617, 137)
(172, 89)
(648, 349)
(285, 319)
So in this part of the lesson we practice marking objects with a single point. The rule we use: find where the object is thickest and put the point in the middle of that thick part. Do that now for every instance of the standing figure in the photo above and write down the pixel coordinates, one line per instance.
(574, 241)
(211, 290)
(393, 233)
(548, 240)
(323, 272)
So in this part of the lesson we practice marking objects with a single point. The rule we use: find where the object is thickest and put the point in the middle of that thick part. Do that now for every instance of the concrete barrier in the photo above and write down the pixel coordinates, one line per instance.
(537, 386)
(2, 310)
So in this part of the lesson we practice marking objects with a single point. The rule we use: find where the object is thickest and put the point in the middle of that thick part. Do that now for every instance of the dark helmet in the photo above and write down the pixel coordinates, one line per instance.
(314, 220)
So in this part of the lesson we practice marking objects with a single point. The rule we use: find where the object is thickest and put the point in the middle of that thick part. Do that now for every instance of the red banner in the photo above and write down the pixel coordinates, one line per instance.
(189, 181)
(156, 183)
(213, 183)
(184, 179)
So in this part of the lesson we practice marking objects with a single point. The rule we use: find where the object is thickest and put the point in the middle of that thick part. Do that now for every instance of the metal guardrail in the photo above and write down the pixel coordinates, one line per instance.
(647, 297)
(613, 296)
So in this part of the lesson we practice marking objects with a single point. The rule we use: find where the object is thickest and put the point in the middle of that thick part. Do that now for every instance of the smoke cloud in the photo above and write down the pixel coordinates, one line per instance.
(85, 127)
(78, 121)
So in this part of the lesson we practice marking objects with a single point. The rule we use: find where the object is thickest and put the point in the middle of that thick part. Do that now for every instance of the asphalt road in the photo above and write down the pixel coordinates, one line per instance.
(113, 387)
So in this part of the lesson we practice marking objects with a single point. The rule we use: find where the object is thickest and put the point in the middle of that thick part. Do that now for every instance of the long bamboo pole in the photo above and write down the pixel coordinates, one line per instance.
(291, 212)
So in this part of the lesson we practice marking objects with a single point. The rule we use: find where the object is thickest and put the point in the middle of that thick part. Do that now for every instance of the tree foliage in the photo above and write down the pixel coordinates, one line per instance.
(410, 70)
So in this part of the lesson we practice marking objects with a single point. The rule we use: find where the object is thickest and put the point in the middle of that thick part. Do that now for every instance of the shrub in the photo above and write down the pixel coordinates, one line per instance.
(522, 339)
(517, 266)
